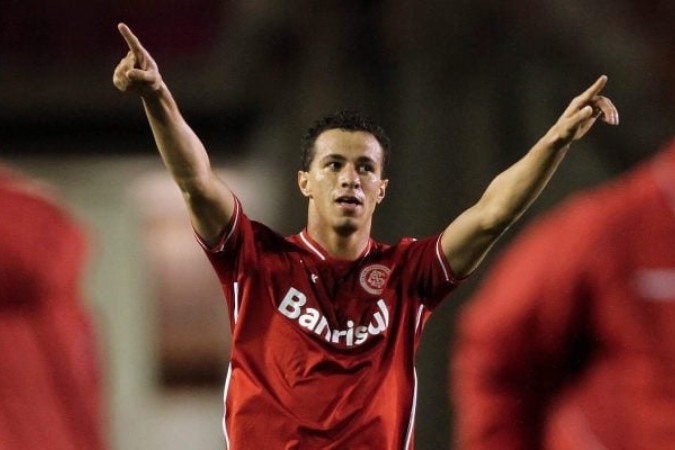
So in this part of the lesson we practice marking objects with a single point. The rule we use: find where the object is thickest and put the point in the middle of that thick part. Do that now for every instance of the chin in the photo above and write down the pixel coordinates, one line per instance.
(346, 227)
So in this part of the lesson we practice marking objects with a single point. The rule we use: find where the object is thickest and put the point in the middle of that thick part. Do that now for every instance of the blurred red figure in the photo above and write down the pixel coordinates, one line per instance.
(49, 376)
(570, 342)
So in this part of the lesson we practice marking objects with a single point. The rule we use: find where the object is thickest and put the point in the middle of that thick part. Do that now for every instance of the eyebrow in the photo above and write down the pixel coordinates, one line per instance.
(338, 157)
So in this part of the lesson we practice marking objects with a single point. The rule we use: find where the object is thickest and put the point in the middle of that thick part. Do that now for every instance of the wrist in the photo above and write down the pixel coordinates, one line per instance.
(155, 93)
(555, 141)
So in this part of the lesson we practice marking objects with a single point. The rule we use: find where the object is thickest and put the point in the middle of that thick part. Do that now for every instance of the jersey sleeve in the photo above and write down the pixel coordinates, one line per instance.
(524, 332)
(237, 258)
(426, 272)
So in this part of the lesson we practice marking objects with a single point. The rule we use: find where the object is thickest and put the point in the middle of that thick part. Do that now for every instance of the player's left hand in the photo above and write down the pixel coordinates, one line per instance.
(582, 113)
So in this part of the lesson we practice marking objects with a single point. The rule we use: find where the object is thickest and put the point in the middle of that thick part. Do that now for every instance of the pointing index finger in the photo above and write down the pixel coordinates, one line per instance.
(595, 88)
(131, 39)
(586, 97)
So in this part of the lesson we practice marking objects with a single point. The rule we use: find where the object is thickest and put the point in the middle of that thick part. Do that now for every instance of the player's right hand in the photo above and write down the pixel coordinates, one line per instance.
(137, 72)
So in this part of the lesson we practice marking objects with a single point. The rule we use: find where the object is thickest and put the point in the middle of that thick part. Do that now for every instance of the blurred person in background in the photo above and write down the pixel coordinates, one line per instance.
(326, 322)
(569, 344)
(50, 394)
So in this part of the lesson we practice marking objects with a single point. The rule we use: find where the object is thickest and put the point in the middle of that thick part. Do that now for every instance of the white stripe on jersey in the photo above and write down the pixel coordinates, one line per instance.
(419, 318)
(227, 386)
(235, 313)
(411, 424)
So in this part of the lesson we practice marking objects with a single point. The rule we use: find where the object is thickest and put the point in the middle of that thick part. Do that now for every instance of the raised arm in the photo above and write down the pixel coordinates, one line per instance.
(470, 236)
(209, 201)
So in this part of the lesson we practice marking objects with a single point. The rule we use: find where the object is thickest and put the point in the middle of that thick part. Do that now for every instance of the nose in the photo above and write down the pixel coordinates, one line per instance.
(349, 177)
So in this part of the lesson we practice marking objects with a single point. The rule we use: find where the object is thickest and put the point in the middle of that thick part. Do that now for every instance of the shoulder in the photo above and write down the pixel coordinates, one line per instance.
(412, 252)
(404, 243)
(408, 249)
(269, 239)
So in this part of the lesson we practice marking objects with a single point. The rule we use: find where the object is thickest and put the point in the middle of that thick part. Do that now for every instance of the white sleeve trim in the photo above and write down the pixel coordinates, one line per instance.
(442, 260)
(234, 223)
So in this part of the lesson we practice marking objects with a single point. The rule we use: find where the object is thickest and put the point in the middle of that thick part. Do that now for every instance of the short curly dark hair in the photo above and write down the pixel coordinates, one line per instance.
(348, 120)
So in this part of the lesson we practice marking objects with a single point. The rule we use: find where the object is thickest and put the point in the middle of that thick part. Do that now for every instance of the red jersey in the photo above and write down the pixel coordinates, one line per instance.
(49, 374)
(323, 349)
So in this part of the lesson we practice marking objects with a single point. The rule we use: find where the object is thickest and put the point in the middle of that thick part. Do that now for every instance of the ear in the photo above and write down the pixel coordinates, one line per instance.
(382, 190)
(303, 183)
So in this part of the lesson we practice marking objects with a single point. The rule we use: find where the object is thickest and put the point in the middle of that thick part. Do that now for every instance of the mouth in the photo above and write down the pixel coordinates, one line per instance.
(348, 201)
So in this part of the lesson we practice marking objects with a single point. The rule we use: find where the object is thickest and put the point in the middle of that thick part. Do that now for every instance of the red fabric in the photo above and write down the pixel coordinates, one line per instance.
(570, 342)
(49, 378)
(323, 350)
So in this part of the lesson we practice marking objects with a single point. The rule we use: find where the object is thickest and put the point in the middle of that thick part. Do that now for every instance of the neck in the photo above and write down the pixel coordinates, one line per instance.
(338, 244)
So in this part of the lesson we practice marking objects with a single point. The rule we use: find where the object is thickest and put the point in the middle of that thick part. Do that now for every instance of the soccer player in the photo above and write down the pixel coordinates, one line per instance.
(326, 322)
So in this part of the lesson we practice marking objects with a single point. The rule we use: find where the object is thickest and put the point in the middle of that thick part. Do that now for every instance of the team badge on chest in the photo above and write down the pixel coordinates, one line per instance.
(374, 278)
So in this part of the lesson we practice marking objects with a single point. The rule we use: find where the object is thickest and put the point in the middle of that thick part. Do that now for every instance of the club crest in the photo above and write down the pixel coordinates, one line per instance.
(374, 278)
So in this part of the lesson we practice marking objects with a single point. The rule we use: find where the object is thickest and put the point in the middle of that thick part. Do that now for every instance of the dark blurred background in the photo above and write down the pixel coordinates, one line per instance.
(463, 88)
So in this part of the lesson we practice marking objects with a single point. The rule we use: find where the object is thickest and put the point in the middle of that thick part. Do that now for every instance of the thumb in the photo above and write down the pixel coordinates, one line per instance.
(582, 115)
(586, 112)
(139, 75)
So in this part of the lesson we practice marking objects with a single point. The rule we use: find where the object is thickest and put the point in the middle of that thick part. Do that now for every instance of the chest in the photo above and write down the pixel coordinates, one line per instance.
(340, 304)
(338, 288)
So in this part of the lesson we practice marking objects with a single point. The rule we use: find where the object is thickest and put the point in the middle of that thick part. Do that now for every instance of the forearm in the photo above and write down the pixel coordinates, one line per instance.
(510, 193)
(470, 236)
(209, 201)
(181, 150)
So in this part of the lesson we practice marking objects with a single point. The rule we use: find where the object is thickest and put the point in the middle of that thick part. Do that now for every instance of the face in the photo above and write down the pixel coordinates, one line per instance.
(344, 183)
